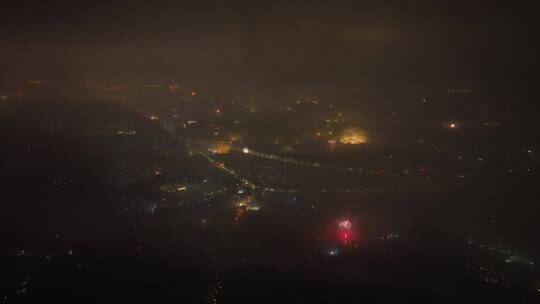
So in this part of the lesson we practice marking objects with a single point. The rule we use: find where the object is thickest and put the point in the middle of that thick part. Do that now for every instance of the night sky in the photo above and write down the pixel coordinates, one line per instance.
(273, 43)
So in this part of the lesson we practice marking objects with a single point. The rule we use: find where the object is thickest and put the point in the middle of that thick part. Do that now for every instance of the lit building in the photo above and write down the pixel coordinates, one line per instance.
(174, 87)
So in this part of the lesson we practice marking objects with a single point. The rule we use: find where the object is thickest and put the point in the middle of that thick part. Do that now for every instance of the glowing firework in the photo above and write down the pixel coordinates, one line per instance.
(345, 231)
(353, 136)
(345, 224)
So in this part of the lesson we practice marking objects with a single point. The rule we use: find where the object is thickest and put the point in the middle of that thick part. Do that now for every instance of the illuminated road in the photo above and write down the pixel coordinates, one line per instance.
(303, 163)
(221, 166)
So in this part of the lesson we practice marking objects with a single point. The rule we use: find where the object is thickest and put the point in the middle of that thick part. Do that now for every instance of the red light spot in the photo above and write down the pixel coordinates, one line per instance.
(345, 238)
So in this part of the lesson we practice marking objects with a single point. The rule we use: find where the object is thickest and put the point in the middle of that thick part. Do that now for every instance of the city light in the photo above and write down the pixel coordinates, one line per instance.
(267, 151)
(452, 125)
(220, 148)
